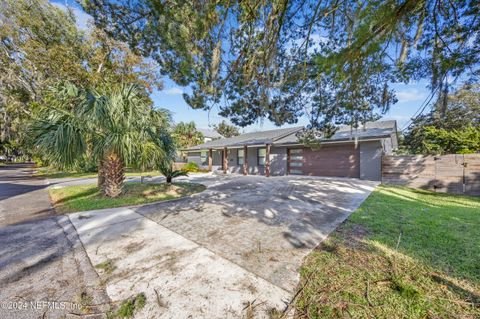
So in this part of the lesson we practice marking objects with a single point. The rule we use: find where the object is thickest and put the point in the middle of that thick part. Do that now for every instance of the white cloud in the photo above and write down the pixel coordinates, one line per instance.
(81, 17)
(412, 95)
(173, 91)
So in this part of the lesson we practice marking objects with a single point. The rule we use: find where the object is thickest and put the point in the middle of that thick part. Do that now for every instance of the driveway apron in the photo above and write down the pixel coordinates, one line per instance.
(231, 251)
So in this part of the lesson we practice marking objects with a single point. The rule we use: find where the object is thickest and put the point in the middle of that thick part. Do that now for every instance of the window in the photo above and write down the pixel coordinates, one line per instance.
(203, 157)
(295, 161)
(261, 154)
(296, 164)
(240, 157)
(296, 154)
(296, 172)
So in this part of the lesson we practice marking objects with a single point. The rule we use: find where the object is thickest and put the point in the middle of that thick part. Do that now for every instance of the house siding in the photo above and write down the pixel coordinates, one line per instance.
(216, 159)
(371, 159)
(233, 166)
(253, 167)
(194, 157)
(278, 161)
(366, 160)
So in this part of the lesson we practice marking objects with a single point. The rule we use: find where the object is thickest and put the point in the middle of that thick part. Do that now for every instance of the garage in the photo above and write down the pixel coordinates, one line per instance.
(341, 160)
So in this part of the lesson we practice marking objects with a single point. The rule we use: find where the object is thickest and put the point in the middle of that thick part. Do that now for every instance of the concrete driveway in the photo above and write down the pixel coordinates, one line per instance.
(231, 251)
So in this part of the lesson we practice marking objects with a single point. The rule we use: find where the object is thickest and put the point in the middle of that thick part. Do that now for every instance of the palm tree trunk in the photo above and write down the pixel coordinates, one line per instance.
(114, 175)
(101, 175)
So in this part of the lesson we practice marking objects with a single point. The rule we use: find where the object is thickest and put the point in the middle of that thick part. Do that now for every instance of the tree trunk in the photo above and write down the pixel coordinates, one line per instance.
(114, 175)
(101, 175)
(169, 179)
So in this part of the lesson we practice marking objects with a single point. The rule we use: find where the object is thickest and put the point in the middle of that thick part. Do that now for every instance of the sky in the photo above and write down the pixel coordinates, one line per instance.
(410, 96)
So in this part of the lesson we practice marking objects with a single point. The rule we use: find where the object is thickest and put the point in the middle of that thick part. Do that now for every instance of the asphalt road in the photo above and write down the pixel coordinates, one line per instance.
(44, 270)
(22, 196)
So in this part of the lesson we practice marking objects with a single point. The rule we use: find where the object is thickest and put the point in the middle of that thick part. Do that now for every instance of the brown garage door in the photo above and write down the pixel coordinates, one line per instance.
(330, 160)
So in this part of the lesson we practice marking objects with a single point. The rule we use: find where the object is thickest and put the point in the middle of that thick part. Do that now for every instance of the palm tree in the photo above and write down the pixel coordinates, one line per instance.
(186, 135)
(112, 127)
(165, 165)
(166, 169)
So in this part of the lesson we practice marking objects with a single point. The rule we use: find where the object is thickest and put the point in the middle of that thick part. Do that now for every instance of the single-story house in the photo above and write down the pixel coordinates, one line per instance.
(349, 152)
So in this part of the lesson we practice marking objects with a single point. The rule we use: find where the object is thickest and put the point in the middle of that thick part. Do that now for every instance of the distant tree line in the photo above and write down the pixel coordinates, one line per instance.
(453, 126)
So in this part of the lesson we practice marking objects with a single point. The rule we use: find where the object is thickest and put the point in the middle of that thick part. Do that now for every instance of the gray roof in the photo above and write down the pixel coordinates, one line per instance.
(254, 138)
(371, 130)
(209, 133)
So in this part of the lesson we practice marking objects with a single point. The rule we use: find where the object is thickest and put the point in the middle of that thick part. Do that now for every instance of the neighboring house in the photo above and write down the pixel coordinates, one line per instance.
(348, 153)
(209, 135)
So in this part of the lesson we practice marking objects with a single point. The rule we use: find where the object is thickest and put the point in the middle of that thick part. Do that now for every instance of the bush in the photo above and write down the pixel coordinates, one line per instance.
(39, 162)
(86, 165)
(190, 167)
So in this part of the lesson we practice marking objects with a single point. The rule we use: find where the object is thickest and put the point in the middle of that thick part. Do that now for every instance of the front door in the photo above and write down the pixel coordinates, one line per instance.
(295, 161)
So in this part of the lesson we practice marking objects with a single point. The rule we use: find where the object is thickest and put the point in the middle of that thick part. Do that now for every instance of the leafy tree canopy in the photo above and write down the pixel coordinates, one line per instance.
(442, 141)
(186, 135)
(330, 60)
(452, 127)
(226, 130)
(40, 46)
(116, 127)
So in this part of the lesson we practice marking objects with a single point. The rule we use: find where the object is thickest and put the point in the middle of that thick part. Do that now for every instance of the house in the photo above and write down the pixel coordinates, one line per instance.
(349, 152)
(209, 135)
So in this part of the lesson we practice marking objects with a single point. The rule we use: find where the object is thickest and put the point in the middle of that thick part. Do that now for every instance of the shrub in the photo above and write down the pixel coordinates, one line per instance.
(190, 167)
(39, 162)
(166, 169)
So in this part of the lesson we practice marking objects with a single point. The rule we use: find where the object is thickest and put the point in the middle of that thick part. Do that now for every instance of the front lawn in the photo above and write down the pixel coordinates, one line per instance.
(88, 197)
(403, 254)
(47, 172)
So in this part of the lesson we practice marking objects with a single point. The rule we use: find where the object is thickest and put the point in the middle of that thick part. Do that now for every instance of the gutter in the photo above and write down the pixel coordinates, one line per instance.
(237, 146)
(336, 141)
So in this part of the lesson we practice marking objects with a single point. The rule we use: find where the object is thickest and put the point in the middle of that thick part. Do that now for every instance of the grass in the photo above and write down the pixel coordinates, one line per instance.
(48, 172)
(88, 197)
(129, 307)
(107, 266)
(403, 254)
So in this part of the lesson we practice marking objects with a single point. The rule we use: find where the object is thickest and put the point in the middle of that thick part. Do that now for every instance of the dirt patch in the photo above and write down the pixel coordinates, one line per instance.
(353, 237)
(353, 231)
(107, 267)
(133, 247)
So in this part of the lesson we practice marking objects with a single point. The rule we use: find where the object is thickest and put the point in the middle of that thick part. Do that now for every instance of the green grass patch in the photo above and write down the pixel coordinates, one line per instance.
(128, 307)
(403, 254)
(48, 172)
(88, 197)
(107, 266)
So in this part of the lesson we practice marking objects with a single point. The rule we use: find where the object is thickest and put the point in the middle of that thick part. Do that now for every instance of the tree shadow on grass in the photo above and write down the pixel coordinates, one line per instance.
(81, 195)
(437, 229)
(355, 277)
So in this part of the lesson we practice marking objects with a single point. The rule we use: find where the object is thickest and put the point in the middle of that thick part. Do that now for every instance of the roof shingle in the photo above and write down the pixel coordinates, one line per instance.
(371, 130)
